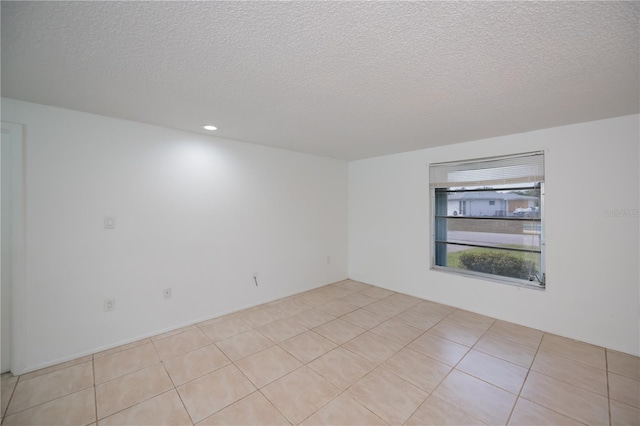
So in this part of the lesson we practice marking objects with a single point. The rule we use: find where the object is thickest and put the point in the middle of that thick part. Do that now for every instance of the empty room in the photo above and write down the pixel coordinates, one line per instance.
(320, 213)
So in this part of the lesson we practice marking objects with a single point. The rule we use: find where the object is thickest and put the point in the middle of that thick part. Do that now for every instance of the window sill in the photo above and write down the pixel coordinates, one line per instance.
(532, 285)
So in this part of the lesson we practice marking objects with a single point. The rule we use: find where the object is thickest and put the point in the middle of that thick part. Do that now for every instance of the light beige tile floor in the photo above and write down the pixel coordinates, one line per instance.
(347, 353)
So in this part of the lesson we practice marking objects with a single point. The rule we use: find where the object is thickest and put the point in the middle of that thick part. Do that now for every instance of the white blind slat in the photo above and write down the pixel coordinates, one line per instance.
(513, 169)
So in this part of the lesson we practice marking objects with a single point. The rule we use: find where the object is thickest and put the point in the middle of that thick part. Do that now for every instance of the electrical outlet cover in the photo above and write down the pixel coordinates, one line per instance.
(109, 304)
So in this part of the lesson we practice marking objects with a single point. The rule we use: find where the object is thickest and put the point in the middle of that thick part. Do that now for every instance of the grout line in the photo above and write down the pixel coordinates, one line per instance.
(561, 356)
(343, 391)
(513, 409)
(526, 377)
(13, 391)
(380, 365)
(537, 403)
(95, 390)
(606, 366)
(49, 401)
(184, 406)
(428, 394)
(329, 381)
(270, 403)
(137, 403)
(459, 361)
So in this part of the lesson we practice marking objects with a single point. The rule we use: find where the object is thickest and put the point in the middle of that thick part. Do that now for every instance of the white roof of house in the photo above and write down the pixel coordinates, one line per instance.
(488, 195)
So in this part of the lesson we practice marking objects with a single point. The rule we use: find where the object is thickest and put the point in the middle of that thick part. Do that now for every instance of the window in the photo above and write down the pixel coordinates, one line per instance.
(487, 218)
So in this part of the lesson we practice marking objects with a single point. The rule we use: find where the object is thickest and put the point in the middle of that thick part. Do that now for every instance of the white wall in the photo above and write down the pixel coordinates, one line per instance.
(195, 213)
(592, 258)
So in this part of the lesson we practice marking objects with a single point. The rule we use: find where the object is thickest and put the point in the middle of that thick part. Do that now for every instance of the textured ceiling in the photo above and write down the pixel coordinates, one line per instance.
(347, 80)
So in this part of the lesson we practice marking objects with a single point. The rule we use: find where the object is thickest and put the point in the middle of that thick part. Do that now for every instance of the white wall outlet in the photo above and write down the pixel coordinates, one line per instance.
(167, 293)
(109, 304)
(109, 222)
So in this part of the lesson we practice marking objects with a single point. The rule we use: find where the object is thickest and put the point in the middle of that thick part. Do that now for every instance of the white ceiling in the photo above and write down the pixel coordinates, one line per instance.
(348, 80)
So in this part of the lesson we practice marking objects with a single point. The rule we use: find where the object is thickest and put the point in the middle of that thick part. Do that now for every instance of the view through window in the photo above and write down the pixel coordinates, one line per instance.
(487, 218)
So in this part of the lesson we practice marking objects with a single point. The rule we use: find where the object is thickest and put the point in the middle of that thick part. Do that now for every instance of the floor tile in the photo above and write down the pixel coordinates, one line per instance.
(506, 349)
(383, 308)
(572, 349)
(164, 409)
(221, 330)
(624, 415)
(8, 386)
(335, 293)
(493, 370)
(455, 332)
(342, 367)
(435, 310)
(623, 364)
(387, 395)
(372, 347)
(527, 413)
(397, 332)
(281, 330)
(308, 346)
(75, 409)
(359, 299)
(343, 411)
(121, 348)
(253, 409)
(436, 412)
(300, 393)
(56, 367)
(259, 317)
(47, 387)
(418, 369)
(439, 348)
(486, 402)
(210, 321)
(243, 345)
(124, 362)
(181, 343)
(471, 320)
(353, 285)
(419, 320)
(572, 401)
(624, 389)
(570, 371)
(129, 390)
(194, 364)
(403, 301)
(364, 319)
(290, 307)
(214, 391)
(388, 358)
(173, 332)
(313, 318)
(268, 365)
(516, 333)
(315, 298)
(377, 292)
(339, 307)
(339, 331)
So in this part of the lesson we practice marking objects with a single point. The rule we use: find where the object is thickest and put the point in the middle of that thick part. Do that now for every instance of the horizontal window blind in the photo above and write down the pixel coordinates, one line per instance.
(521, 168)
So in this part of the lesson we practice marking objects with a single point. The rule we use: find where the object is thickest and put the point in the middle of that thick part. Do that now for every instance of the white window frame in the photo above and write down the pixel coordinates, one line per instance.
(515, 172)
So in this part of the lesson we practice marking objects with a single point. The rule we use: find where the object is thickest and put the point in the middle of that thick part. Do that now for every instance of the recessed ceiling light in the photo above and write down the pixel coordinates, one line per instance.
(210, 127)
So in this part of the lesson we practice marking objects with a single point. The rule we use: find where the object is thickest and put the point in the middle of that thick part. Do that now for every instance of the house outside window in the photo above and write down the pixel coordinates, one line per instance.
(487, 218)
